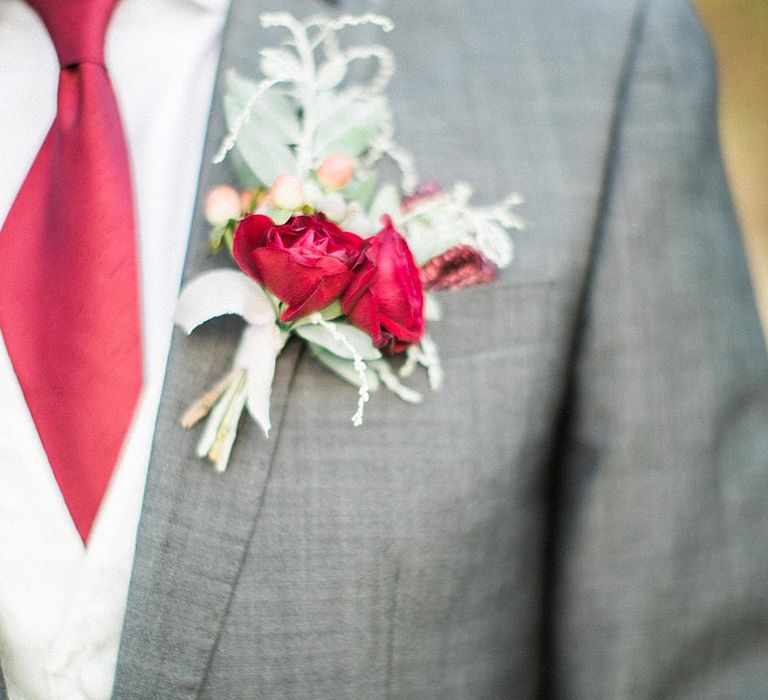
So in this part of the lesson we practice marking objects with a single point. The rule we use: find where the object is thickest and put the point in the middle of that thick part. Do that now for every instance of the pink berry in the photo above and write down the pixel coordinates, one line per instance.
(221, 205)
(287, 192)
(335, 171)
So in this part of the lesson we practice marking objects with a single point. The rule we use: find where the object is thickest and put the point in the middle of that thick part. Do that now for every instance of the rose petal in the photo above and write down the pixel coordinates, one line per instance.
(328, 290)
(361, 280)
(249, 235)
(289, 282)
(365, 315)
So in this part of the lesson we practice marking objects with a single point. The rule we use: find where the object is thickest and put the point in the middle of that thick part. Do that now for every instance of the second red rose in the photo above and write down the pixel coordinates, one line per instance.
(385, 297)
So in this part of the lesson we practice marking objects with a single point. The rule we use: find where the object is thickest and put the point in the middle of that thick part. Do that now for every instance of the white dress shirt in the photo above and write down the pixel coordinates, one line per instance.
(62, 604)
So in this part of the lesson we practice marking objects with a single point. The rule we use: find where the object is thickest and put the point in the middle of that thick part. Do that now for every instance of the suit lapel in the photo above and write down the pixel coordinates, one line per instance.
(196, 524)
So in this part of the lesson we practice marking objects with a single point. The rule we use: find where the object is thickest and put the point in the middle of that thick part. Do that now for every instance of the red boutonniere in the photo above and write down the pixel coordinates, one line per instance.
(348, 266)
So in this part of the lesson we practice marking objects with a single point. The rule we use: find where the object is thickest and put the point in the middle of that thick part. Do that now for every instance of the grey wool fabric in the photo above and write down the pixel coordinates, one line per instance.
(581, 512)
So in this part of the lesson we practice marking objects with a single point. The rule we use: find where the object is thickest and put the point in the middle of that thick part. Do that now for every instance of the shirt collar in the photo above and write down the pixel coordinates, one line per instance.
(210, 5)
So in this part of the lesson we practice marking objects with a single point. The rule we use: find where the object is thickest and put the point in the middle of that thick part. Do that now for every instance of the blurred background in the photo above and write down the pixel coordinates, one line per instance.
(739, 33)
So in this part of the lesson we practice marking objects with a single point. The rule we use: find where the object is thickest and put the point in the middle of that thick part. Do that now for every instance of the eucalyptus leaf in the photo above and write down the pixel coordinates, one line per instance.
(272, 106)
(345, 368)
(350, 124)
(245, 176)
(262, 149)
(279, 216)
(260, 146)
(329, 313)
(216, 237)
(281, 64)
(333, 310)
(359, 340)
(360, 190)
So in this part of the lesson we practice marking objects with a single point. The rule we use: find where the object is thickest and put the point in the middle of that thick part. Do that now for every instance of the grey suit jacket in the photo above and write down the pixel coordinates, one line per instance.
(581, 511)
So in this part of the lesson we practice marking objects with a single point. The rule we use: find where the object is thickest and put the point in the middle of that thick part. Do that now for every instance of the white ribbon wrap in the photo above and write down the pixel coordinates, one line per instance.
(222, 292)
(257, 353)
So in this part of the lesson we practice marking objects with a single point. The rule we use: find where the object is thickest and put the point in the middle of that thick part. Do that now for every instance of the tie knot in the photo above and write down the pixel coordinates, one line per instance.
(77, 28)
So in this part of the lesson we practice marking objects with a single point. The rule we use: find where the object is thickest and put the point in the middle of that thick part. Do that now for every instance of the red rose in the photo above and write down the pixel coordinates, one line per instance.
(306, 262)
(385, 298)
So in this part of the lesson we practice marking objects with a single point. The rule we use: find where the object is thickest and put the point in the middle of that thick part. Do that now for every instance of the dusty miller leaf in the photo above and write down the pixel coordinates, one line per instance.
(386, 201)
(360, 190)
(350, 125)
(263, 140)
(331, 73)
(281, 64)
(345, 368)
(272, 106)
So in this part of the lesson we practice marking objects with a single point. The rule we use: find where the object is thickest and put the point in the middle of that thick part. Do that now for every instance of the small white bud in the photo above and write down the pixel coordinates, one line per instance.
(333, 206)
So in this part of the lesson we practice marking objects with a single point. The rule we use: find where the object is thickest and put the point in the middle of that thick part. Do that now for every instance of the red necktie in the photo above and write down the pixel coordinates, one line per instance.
(69, 303)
